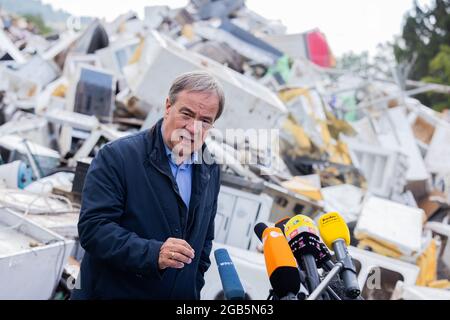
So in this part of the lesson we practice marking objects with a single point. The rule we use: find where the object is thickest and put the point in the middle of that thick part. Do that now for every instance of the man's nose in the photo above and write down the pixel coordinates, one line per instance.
(193, 127)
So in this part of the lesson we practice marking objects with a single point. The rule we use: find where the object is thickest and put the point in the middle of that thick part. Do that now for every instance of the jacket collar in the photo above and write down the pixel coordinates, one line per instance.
(156, 152)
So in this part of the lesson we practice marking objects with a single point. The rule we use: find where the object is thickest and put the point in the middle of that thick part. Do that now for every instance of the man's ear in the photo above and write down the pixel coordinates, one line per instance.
(168, 105)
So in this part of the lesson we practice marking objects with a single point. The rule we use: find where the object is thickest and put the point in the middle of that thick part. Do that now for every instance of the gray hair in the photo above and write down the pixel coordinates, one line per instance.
(197, 81)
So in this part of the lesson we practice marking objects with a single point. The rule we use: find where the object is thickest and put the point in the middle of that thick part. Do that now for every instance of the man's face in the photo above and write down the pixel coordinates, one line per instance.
(187, 121)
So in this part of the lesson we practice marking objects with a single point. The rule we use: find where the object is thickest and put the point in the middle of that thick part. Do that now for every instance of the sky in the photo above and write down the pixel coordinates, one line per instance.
(349, 25)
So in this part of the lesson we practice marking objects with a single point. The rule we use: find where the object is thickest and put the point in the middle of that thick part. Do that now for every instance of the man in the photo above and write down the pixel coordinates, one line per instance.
(149, 202)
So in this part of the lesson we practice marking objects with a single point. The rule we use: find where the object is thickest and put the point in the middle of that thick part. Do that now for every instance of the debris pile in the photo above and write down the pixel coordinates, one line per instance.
(344, 143)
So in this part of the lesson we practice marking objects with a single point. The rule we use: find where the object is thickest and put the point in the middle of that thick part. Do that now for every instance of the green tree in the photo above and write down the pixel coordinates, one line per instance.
(439, 72)
(424, 33)
(39, 23)
(378, 66)
(356, 62)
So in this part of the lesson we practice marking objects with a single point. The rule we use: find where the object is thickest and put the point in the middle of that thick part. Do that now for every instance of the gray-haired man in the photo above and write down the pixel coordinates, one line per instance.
(149, 202)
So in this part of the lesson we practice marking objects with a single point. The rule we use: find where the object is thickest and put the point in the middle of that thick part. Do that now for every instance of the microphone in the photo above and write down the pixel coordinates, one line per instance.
(303, 237)
(232, 286)
(259, 229)
(280, 262)
(336, 235)
(325, 262)
(281, 223)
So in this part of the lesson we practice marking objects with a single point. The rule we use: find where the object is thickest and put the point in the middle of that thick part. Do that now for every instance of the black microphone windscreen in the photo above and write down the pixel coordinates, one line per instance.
(259, 229)
(281, 223)
(285, 280)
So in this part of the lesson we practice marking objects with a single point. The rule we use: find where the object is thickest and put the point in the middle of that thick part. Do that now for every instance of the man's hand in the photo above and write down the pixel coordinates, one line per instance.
(175, 253)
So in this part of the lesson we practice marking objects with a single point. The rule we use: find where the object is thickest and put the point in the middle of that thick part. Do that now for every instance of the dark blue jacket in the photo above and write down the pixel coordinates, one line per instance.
(130, 206)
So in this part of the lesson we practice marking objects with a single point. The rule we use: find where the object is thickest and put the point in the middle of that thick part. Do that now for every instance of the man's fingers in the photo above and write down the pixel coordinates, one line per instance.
(174, 264)
(166, 262)
(181, 242)
(182, 250)
(180, 257)
(175, 253)
(181, 246)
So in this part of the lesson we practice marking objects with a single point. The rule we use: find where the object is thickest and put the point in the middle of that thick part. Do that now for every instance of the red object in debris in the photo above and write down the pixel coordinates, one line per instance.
(318, 50)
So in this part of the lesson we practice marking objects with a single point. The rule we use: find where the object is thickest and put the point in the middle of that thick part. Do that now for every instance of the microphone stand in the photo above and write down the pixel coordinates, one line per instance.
(289, 296)
(333, 294)
(325, 282)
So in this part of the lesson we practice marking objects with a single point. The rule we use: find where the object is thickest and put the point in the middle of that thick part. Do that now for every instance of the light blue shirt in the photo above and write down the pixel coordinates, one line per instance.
(182, 174)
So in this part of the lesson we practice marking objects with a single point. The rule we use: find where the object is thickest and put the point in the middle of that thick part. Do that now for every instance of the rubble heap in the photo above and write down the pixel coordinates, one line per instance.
(359, 146)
